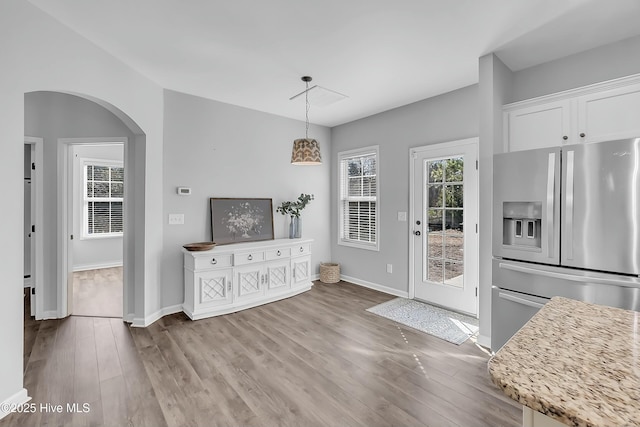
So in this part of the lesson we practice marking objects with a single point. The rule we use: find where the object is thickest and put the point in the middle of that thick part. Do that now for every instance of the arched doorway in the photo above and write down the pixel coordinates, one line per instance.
(63, 119)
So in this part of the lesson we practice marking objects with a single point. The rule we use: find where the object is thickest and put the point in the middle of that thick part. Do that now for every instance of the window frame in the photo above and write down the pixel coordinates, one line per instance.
(84, 162)
(342, 187)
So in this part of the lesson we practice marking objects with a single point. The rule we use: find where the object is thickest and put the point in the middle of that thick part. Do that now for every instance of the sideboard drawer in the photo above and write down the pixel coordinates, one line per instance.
(278, 254)
(248, 258)
(213, 261)
(301, 250)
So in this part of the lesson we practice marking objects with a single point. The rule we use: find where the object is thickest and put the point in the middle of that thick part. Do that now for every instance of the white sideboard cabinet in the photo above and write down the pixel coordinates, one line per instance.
(234, 277)
(595, 113)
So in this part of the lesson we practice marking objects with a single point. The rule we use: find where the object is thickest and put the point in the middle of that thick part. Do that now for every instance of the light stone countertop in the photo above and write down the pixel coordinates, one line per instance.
(576, 362)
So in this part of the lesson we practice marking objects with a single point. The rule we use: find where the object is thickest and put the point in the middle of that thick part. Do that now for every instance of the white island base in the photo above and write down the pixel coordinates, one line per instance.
(531, 418)
(235, 277)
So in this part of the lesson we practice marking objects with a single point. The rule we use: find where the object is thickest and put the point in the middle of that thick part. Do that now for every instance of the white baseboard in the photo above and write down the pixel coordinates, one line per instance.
(98, 266)
(139, 322)
(17, 399)
(375, 286)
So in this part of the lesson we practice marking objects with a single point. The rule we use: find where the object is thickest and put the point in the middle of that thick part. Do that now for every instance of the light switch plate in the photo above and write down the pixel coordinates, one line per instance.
(176, 219)
(402, 216)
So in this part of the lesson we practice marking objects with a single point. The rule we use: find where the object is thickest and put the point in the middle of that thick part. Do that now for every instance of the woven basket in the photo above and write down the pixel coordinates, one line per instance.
(329, 272)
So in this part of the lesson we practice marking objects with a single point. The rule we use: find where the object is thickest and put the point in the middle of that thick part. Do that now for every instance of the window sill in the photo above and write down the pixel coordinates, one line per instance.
(370, 247)
(103, 236)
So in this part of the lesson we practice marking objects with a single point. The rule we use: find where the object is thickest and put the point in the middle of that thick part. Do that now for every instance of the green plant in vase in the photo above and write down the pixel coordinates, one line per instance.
(294, 209)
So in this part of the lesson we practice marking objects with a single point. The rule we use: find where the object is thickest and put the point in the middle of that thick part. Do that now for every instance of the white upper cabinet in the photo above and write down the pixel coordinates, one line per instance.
(538, 126)
(601, 112)
(612, 114)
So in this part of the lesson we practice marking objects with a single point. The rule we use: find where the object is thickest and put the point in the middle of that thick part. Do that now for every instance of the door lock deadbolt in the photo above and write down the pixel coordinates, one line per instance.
(418, 222)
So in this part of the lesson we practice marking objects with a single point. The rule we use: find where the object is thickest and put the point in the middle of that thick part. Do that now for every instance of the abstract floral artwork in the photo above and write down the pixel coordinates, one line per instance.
(241, 220)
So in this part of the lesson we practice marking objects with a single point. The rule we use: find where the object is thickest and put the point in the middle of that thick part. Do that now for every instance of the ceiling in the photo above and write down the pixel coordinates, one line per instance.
(380, 53)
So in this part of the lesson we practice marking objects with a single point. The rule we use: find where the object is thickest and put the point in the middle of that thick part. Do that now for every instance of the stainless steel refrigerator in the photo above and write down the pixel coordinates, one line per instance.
(566, 221)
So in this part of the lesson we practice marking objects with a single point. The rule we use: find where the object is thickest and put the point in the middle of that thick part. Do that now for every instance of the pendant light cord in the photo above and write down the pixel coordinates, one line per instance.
(306, 99)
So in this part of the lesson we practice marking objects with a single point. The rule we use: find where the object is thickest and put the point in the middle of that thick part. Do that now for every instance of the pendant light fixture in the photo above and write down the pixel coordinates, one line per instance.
(306, 151)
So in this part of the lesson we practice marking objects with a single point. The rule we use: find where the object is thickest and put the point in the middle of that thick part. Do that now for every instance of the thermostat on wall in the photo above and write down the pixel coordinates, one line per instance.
(184, 191)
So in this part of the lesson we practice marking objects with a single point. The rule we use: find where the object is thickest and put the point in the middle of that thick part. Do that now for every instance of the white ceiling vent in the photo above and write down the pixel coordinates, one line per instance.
(320, 96)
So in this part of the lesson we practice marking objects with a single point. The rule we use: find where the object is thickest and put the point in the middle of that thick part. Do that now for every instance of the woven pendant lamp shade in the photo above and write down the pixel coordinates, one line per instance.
(306, 152)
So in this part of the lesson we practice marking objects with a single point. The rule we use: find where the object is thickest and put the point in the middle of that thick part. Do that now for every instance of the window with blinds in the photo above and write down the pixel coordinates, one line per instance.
(103, 198)
(359, 182)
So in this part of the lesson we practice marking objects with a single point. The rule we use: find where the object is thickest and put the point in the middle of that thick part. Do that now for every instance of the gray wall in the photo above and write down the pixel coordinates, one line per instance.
(42, 54)
(90, 253)
(51, 116)
(447, 117)
(496, 86)
(221, 150)
(592, 66)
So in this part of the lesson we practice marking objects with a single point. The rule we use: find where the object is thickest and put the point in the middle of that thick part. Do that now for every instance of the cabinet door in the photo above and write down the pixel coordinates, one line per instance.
(301, 270)
(278, 276)
(250, 281)
(539, 126)
(609, 115)
(213, 288)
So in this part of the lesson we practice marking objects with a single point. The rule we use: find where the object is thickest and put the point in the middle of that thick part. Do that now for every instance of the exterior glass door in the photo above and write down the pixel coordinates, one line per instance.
(445, 241)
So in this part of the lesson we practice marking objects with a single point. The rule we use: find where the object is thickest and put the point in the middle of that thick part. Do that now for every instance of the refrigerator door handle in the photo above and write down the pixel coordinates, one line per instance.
(569, 198)
(568, 276)
(551, 182)
(519, 300)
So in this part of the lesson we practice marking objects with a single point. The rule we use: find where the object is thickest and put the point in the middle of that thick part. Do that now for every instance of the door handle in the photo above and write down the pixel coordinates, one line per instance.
(569, 204)
(551, 183)
(518, 300)
(417, 232)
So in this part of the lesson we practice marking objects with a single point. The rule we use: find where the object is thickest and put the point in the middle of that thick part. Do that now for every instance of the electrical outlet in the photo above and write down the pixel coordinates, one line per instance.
(389, 268)
(176, 219)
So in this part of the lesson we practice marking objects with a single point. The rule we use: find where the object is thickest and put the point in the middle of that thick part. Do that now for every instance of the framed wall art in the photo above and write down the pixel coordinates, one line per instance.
(241, 220)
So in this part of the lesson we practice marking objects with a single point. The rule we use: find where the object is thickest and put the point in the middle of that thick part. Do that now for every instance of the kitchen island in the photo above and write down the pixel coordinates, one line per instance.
(574, 362)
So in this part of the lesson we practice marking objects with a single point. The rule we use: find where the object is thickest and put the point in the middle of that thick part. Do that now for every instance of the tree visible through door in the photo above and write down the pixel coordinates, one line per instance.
(445, 238)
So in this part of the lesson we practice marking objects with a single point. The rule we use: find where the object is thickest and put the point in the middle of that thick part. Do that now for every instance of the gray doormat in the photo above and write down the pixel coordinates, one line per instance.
(447, 325)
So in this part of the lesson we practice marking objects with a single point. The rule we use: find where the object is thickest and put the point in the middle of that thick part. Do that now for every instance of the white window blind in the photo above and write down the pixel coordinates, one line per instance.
(103, 198)
(359, 198)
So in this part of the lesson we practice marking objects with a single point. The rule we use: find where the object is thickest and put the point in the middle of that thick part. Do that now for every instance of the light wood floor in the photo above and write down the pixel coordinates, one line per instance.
(317, 359)
(98, 292)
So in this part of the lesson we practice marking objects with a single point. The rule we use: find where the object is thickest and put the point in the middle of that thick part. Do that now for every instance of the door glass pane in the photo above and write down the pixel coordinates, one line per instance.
(453, 274)
(434, 219)
(435, 170)
(454, 246)
(453, 196)
(453, 219)
(444, 226)
(434, 244)
(435, 195)
(435, 270)
(453, 169)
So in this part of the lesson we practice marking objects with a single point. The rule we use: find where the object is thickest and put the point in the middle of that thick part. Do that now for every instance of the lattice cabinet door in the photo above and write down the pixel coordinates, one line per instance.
(214, 288)
(250, 281)
(278, 277)
(300, 270)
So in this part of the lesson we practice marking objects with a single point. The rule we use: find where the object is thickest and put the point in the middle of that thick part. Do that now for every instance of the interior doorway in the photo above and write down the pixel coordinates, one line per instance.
(444, 215)
(93, 208)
